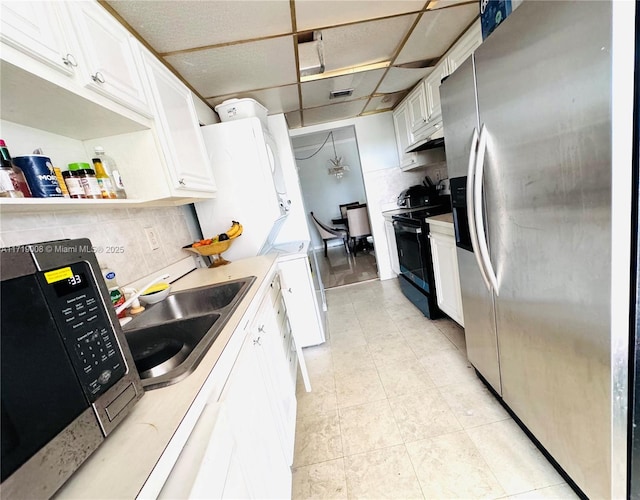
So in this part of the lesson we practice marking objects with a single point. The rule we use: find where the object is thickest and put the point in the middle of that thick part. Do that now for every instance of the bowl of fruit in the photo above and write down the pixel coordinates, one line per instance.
(213, 247)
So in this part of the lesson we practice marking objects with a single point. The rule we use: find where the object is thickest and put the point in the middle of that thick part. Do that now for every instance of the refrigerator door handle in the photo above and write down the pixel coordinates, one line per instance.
(479, 216)
(473, 154)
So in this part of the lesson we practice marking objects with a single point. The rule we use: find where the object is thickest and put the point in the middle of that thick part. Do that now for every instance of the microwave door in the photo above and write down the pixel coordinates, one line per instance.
(39, 390)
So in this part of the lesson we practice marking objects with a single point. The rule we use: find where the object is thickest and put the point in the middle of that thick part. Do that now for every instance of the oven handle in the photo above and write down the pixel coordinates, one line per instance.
(479, 216)
(473, 156)
(407, 229)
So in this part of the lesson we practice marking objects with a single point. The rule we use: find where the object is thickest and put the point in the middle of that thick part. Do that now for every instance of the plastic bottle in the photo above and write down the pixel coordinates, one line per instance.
(13, 183)
(104, 180)
(115, 293)
(110, 167)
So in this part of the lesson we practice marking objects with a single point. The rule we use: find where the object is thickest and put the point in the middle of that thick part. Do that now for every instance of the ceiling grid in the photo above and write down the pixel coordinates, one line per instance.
(245, 48)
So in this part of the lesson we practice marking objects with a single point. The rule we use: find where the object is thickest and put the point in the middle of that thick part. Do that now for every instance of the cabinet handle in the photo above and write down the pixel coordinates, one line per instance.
(69, 60)
(256, 341)
(261, 329)
(98, 78)
(181, 181)
(289, 290)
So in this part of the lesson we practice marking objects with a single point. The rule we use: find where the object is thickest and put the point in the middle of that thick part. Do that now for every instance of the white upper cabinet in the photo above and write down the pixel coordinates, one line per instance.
(71, 70)
(109, 66)
(423, 110)
(35, 28)
(464, 47)
(432, 88)
(178, 130)
(417, 106)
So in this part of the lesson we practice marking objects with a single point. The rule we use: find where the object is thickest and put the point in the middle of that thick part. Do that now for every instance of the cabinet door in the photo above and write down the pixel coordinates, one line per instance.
(35, 29)
(299, 295)
(109, 66)
(273, 363)
(247, 399)
(445, 268)
(432, 89)
(393, 248)
(404, 137)
(464, 47)
(179, 131)
(417, 106)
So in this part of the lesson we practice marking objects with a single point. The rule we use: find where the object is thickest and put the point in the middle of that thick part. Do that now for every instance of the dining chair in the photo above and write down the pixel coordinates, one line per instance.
(359, 226)
(344, 206)
(330, 233)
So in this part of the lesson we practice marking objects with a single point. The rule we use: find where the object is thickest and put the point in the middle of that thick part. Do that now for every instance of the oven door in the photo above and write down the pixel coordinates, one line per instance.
(413, 253)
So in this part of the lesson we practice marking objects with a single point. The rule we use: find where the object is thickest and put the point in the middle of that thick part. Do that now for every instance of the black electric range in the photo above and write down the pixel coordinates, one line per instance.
(416, 277)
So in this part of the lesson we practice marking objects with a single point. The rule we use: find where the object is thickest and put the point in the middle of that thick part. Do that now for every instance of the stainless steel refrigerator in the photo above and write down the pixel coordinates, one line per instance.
(528, 134)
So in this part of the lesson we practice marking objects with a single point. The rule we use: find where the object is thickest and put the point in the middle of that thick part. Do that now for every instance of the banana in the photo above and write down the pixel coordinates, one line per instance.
(234, 230)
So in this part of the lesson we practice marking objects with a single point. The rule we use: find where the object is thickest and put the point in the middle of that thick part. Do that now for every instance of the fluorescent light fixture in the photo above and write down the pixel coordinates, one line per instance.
(311, 56)
(345, 71)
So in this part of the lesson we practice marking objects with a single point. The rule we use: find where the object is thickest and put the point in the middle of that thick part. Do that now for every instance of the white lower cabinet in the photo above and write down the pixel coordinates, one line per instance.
(242, 443)
(300, 296)
(445, 269)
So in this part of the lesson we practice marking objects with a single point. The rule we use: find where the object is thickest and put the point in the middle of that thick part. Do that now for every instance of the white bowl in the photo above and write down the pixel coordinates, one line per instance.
(152, 298)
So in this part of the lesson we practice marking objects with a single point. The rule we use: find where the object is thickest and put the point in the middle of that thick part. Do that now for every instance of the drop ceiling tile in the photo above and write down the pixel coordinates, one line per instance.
(198, 23)
(383, 102)
(398, 79)
(364, 43)
(312, 14)
(294, 119)
(316, 93)
(238, 68)
(333, 112)
(276, 100)
(436, 31)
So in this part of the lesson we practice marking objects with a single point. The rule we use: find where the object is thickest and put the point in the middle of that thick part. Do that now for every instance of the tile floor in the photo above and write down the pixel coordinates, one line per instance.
(396, 411)
(339, 268)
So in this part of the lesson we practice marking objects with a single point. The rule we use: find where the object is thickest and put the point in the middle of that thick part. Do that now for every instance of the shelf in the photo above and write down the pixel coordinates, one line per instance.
(15, 205)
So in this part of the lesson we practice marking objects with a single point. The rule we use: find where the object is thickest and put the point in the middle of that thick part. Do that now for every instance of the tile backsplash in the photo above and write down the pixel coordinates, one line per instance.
(118, 235)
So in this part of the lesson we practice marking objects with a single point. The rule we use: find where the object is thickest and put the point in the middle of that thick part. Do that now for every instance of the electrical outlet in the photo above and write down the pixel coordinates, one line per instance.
(152, 238)
(437, 175)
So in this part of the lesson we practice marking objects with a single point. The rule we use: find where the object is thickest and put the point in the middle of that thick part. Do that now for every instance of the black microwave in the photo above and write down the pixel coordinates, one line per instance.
(67, 375)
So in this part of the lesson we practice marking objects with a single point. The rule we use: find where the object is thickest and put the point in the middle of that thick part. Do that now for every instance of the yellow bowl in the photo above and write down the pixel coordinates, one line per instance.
(212, 249)
(154, 297)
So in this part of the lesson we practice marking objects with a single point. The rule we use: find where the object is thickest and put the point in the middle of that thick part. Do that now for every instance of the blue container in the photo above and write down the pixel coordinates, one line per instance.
(42, 180)
(492, 13)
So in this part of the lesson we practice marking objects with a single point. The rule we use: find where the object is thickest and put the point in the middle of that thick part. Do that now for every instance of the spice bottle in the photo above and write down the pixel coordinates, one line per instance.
(110, 167)
(74, 186)
(13, 183)
(63, 185)
(104, 180)
(88, 180)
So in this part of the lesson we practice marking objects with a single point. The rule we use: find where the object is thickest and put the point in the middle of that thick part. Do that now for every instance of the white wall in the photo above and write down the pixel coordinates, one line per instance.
(324, 193)
(383, 179)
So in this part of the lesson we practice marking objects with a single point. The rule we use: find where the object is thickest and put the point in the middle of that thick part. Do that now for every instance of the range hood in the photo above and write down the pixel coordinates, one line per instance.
(425, 145)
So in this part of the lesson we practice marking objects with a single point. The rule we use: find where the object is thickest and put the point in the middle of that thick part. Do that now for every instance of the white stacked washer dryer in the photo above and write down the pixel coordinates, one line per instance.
(251, 187)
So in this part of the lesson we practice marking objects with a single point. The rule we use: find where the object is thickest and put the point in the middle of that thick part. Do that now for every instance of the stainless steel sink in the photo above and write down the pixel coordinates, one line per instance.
(169, 339)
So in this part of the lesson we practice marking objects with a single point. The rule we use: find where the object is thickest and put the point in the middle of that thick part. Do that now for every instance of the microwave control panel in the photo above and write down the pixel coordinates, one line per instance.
(78, 310)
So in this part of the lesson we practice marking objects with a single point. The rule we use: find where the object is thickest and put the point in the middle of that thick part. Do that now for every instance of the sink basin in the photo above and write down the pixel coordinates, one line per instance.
(169, 338)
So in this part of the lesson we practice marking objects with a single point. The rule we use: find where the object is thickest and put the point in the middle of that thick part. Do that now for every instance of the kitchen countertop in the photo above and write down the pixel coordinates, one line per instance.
(387, 214)
(444, 220)
(120, 467)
